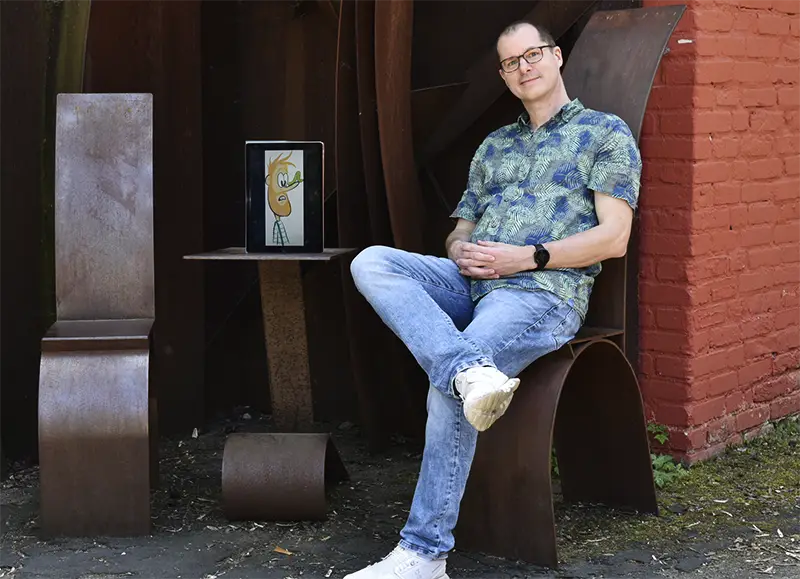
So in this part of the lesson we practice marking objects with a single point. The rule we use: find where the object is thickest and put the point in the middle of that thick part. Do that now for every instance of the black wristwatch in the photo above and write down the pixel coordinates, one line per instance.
(541, 256)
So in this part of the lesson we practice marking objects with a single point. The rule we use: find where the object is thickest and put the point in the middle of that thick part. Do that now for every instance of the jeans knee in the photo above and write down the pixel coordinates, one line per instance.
(369, 262)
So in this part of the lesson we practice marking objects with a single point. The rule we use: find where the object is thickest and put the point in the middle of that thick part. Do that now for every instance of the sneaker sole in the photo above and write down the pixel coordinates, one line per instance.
(484, 411)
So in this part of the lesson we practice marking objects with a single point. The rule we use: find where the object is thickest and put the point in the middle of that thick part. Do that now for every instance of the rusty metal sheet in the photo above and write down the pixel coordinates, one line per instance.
(603, 81)
(94, 443)
(374, 189)
(276, 477)
(485, 84)
(73, 335)
(104, 206)
(507, 508)
(393, 38)
(351, 201)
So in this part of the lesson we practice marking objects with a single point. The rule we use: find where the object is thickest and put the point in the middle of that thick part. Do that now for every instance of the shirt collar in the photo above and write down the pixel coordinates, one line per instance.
(563, 116)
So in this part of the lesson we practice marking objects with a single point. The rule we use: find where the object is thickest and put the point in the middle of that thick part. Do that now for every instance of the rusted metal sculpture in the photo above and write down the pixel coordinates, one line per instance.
(94, 413)
(279, 477)
(587, 390)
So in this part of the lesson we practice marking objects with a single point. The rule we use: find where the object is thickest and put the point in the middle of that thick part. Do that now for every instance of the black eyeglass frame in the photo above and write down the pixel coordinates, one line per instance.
(518, 57)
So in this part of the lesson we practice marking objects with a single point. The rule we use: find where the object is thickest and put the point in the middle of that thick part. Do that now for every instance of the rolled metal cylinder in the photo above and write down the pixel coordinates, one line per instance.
(279, 476)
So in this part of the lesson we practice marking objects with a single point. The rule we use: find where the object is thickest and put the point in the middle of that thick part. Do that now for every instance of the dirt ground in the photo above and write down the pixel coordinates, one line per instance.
(735, 517)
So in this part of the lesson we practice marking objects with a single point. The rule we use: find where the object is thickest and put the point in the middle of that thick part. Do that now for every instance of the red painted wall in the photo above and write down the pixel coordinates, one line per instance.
(720, 225)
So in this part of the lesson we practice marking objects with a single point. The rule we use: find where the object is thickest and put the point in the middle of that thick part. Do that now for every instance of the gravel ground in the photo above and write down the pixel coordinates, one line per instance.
(735, 517)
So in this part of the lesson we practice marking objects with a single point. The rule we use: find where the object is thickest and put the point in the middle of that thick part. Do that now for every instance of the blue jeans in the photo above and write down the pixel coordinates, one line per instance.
(426, 302)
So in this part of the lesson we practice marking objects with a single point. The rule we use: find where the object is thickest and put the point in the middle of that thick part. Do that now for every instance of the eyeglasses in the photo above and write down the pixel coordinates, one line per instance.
(531, 56)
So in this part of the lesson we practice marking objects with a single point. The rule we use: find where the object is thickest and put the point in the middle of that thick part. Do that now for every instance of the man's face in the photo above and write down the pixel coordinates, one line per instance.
(529, 82)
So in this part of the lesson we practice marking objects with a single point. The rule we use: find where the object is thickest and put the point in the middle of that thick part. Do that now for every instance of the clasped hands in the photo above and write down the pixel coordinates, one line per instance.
(490, 259)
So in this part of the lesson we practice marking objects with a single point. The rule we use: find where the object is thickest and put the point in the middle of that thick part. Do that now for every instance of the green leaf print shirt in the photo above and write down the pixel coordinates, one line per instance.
(527, 187)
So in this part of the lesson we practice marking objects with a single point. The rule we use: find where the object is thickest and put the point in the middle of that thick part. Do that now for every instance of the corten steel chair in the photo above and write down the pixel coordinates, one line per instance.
(95, 412)
(584, 397)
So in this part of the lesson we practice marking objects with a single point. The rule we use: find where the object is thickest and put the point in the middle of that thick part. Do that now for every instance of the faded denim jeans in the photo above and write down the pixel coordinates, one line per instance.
(426, 302)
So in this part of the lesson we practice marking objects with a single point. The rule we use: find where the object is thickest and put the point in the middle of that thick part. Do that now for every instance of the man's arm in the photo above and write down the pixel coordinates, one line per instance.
(609, 238)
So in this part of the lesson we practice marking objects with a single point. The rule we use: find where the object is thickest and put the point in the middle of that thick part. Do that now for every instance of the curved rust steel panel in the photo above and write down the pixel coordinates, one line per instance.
(393, 37)
(485, 84)
(380, 227)
(507, 508)
(351, 202)
(278, 476)
(94, 442)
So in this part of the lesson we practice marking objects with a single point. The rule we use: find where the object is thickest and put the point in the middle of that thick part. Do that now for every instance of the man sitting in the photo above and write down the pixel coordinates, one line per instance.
(548, 198)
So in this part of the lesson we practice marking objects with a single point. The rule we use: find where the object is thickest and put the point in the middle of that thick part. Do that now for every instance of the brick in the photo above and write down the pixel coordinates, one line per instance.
(707, 72)
(750, 282)
(791, 165)
(746, 21)
(724, 335)
(708, 316)
(660, 244)
(694, 457)
(792, 120)
(727, 193)
(787, 319)
(787, 339)
(658, 196)
(752, 72)
(790, 49)
(723, 289)
(762, 213)
(794, 26)
(763, 257)
(650, 124)
(760, 4)
(663, 390)
(672, 366)
(775, 387)
(758, 326)
(766, 168)
(737, 260)
(790, 253)
(671, 270)
(669, 342)
(738, 216)
(763, 302)
(765, 120)
(740, 120)
(647, 365)
(726, 146)
(788, 188)
(700, 412)
(677, 173)
(787, 144)
(720, 429)
(785, 406)
(713, 171)
(773, 24)
(786, 361)
(759, 97)
(706, 267)
(741, 170)
(788, 211)
(786, 232)
(789, 97)
(659, 293)
(763, 46)
(786, 273)
(678, 97)
(735, 401)
(755, 372)
(678, 73)
(787, 73)
(712, 121)
(757, 235)
(709, 218)
(786, 6)
(790, 299)
(753, 192)
(760, 347)
(688, 438)
(757, 146)
(713, 20)
(721, 384)
(672, 319)
(751, 418)
(728, 97)
(727, 46)
(662, 147)
(724, 240)
(716, 361)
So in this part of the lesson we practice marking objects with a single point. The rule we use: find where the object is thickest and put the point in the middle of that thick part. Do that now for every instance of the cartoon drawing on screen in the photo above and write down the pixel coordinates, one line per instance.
(285, 219)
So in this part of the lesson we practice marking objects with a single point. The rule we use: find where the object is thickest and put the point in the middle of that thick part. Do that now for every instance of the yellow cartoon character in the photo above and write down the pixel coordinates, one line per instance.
(278, 187)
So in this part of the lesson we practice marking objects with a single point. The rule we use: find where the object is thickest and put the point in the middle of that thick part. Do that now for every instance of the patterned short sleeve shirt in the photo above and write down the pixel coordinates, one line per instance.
(527, 187)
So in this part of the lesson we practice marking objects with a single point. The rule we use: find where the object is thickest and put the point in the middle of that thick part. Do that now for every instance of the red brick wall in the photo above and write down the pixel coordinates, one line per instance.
(720, 225)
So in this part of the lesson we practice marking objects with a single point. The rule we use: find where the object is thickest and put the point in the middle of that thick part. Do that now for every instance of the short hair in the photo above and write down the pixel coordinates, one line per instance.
(544, 34)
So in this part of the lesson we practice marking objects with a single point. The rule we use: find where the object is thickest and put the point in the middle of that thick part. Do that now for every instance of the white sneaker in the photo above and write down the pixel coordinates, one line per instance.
(486, 392)
(402, 564)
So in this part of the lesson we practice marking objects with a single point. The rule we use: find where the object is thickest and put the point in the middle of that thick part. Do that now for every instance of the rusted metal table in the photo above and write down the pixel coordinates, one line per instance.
(285, 333)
